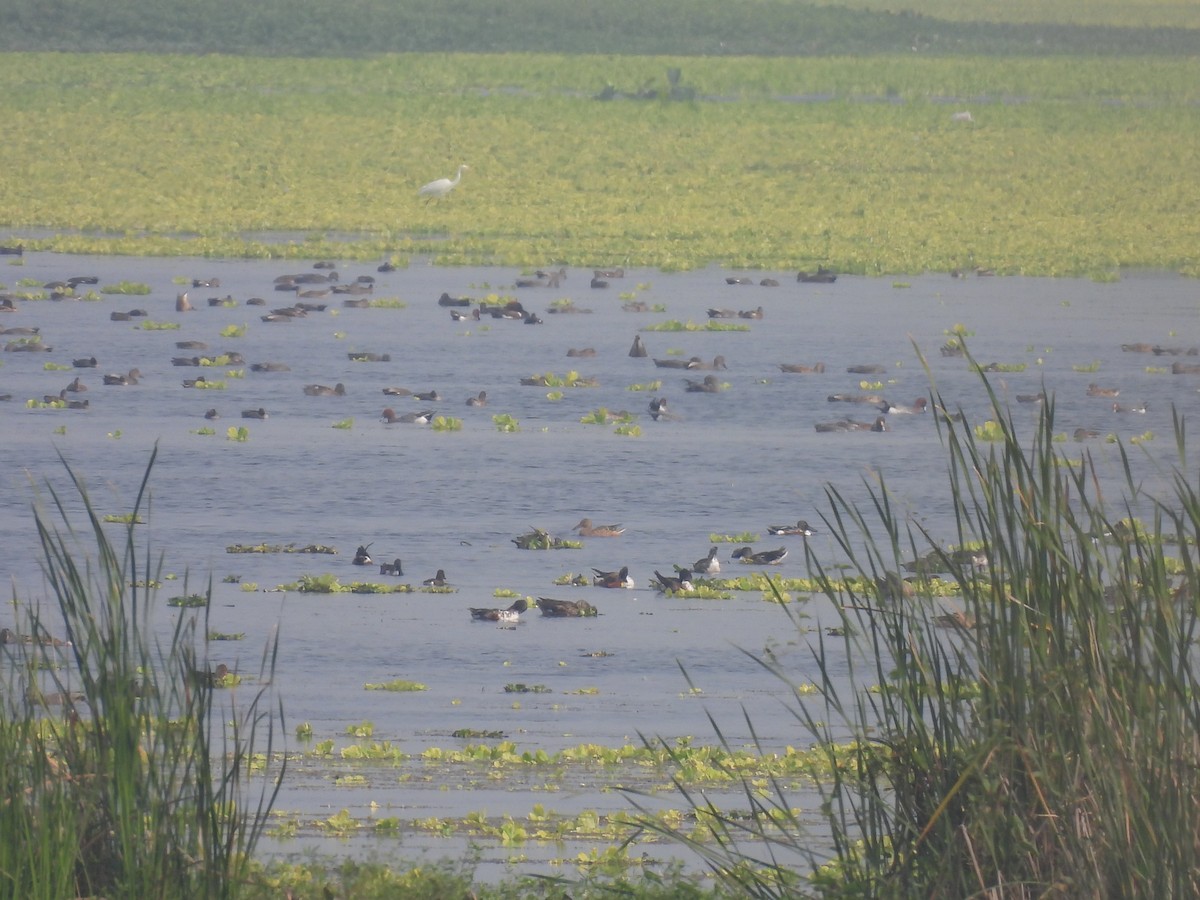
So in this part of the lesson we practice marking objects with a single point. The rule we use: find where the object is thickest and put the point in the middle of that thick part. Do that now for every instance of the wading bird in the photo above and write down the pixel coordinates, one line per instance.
(440, 188)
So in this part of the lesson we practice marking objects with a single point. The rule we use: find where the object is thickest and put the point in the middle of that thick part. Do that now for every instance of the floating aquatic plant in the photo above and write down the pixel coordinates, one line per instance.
(745, 537)
(344, 424)
(233, 331)
(188, 600)
(126, 287)
(239, 433)
(159, 326)
(57, 367)
(125, 518)
(446, 423)
(710, 325)
(645, 386)
(505, 423)
(396, 685)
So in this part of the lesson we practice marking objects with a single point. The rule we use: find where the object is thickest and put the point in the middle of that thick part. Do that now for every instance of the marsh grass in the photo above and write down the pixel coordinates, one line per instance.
(1041, 741)
(123, 776)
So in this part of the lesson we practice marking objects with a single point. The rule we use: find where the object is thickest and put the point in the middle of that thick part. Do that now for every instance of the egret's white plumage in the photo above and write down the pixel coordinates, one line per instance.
(442, 186)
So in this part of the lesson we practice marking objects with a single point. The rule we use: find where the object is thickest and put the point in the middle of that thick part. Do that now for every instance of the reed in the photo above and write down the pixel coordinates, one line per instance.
(124, 775)
(1042, 741)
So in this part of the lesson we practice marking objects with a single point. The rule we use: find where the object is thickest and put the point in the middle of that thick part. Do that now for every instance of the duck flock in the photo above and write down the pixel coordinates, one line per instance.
(325, 293)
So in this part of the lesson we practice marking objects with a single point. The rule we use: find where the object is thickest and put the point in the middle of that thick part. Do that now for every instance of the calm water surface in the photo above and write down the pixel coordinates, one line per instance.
(731, 462)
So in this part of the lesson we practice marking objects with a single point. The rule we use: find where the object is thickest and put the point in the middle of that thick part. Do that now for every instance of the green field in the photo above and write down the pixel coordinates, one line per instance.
(1071, 166)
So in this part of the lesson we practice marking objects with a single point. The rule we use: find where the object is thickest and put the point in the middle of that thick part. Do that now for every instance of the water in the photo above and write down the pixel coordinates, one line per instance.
(731, 462)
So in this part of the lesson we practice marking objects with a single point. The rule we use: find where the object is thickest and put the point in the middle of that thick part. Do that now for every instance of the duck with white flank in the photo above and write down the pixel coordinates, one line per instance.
(762, 558)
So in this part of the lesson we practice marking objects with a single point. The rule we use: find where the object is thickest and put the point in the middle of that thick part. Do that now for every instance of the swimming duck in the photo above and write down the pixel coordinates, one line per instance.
(918, 406)
(751, 313)
(1039, 397)
(619, 579)
(362, 557)
(397, 392)
(212, 414)
(717, 363)
(479, 400)
(89, 363)
(130, 378)
(802, 369)
(1131, 408)
(270, 367)
(392, 568)
(582, 352)
(692, 363)
(821, 276)
(509, 615)
(1094, 390)
(447, 300)
(709, 565)
(413, 418)
(710, 385)
(456, 316)
(428, 396)
(76, 385)
(638, 349)
(680, 584)
(880, 424)
(438, 580)
(259, 413)
(195, 382)
(587, 529)
(714, 313)
(873, 399)
(1083, 434)
(762, 558)
(658, 409)
(566, 608)
(321, 390)
(8, 636)
(869, 369)
(801, 527)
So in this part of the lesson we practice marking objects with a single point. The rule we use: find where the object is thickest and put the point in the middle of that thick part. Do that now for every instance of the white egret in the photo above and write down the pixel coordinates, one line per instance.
(443, 186)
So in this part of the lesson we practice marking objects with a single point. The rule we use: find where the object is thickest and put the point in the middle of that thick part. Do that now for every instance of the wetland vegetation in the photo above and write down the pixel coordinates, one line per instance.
(1039, 737)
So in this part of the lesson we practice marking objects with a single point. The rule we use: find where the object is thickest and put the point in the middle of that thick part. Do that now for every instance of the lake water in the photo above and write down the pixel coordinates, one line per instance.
(728, 462)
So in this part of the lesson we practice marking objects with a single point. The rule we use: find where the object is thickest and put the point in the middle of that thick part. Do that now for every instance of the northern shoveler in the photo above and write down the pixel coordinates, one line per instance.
(566, 608)
(423, 417)
(709, 565)
(131, 377)
(710, 385)
(801, 527)
(880, 424)
(762, 558)
(259, 413)
(918, 406)
(322, 390)
(618, 579)
(511, 614)
(587, 529)
(1131, 408)
(438, 580)
(679, 584)
(362, 557)
(392, 568)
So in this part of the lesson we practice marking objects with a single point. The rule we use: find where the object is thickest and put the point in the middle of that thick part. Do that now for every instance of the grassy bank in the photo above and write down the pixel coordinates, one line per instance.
(1067, 167)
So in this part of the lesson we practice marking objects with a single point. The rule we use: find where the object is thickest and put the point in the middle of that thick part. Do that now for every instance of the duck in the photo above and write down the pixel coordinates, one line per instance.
(397, 392)
(413, 418)
(195, 382)
(1039, 397)
(1131, 408)
(322, 390)
(880, 424)
(801, 369)
(76, 386)
(438, 580)
(130, 378)
(447, 300)
(428, 396)
(709, 565)
(802, 527)
(677, 584)
(638, 349)
(717, 363)
(710, 385)
(211, 414)
(393, 568)
(89, 363)
(479, 400)
(821, 276)
(270, 367)
(658, 409)
(362, 557)
(363, 356)
(715, 313)
(618, 579)
(751, 313)
(587, 529)
(692, 363)
(1094, 390)
(1083, 434)
(566, 608)
(259, 413)
(866, 369)
(8, 636)
(917, 407)
(618, 272)
(456, 316)
(510, 615)
(581, 352)
(873, 399)
(762, 558)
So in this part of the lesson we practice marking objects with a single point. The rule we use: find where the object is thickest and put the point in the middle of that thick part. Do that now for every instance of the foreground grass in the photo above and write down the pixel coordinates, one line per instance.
(1045, 741)
(1092, 170)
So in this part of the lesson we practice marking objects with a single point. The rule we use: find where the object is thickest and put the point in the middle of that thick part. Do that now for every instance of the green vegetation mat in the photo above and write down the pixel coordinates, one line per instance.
(1069, 166)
